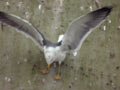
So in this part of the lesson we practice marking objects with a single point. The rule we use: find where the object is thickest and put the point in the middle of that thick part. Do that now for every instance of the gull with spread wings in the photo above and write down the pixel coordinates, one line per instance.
(76, 33)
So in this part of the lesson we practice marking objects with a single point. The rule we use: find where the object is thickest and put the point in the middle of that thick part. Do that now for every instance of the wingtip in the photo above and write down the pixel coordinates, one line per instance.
(109, 8)
(2, 14)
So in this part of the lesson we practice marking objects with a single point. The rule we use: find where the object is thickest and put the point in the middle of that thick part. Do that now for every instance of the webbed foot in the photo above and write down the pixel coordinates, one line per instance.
(57, 77)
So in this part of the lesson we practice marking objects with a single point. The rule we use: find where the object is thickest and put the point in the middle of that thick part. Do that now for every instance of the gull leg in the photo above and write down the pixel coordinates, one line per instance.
(45, 71)
(58, 74)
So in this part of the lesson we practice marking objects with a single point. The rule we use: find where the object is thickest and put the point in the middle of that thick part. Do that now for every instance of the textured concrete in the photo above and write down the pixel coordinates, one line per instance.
(96, 67)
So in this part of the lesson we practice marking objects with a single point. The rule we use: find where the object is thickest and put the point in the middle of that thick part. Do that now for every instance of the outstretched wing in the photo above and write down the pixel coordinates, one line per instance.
(23, 26)
(82, 27)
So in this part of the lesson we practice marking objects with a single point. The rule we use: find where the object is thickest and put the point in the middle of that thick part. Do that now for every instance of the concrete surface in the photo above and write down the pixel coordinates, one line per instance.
(97, 65)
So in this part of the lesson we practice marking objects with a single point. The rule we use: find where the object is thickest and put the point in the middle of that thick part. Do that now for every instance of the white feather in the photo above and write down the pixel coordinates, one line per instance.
(60, 37)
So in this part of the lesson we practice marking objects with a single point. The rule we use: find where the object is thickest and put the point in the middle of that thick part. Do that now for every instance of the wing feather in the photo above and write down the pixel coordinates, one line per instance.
(82, 27)
(23, 26)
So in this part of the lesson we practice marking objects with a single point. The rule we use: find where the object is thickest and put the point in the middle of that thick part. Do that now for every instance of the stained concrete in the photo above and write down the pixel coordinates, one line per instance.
(96, 67)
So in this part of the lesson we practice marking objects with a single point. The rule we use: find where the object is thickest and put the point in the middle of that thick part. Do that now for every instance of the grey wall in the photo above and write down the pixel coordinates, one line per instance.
(96, 67)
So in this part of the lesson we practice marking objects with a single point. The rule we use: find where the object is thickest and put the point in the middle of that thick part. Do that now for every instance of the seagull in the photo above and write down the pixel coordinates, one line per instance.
(73, 38)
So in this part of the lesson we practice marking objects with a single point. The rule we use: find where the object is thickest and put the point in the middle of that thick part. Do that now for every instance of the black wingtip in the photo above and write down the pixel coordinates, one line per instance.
(107, 9)
(102, 11)
(2, 15)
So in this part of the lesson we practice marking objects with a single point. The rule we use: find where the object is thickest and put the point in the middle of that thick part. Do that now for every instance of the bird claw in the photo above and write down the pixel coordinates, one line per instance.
(57, 77)
(44, 71)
